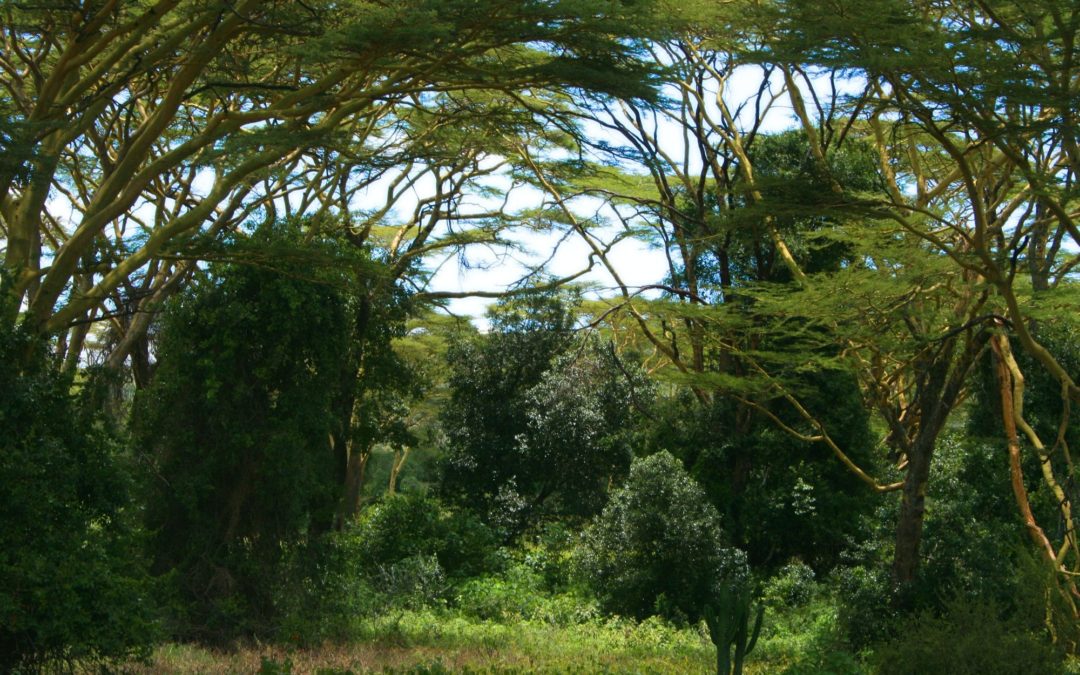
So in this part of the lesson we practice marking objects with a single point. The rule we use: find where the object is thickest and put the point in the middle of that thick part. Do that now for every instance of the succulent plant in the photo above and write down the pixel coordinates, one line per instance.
(729, 626)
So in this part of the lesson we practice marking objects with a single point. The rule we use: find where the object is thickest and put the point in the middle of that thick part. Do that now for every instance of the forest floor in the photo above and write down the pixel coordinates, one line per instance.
(426, 642)
(434, 642)
(438, 642)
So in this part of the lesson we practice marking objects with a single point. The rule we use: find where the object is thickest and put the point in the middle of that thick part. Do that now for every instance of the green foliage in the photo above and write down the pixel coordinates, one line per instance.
(781, 497)
(412, 583)
(657, 548)
(730, 628)
(379, 386)
(804, 638)
(594, 646)
(406, 526)
(867, 610)
(796, 198)
(536, 424)
(1044, 410)
(579, 417)
(521, 593)
(969, 637)
(974, 548)
(236, 427)
(973, 538)
(793, 586)
(73, 581)
(404, 553)
(550, 551)
(489, 378)
(436, 641)
(319, 591)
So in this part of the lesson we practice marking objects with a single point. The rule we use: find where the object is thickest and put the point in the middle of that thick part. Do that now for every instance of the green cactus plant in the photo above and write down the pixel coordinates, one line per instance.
(730, 626)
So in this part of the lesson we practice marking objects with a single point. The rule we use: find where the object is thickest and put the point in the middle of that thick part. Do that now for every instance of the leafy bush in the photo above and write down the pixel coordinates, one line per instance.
(235, 426)
(973, 546)
(320, 592)
(534, 427)
(807, 639)
(792, 586)
(972, 637)
(391, 559)
(73, 582)
(867, 611)
(412, 583)
(405, 526)
(515, 594)
(657, 546)
(549, 551)
(520, 593)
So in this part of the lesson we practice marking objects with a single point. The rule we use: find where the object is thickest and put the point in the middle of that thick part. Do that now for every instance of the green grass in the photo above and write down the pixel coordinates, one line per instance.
(799, 641)
(795, 641)
(804, 640)
(440, 641)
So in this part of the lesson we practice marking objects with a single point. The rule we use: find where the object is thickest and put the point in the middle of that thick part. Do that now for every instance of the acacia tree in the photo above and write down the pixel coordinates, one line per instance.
(973, 108)
(162, 124)
(163, 127)
(976, 165)
(739, 217)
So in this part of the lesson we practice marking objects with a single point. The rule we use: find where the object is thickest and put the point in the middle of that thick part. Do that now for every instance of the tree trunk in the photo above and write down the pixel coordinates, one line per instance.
(909, 526)
(395, 470)
(354, 484)
(939, 390)
(351, 462)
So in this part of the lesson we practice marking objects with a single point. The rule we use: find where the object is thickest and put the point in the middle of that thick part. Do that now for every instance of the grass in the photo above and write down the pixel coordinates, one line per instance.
(798, 641)
(794, 641)
(430, 641)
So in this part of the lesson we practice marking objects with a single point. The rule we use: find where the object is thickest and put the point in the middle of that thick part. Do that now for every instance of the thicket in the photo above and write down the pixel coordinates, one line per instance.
(847, 397)
(658, 548)
(74, 580)
(235, 434)
(662, 545)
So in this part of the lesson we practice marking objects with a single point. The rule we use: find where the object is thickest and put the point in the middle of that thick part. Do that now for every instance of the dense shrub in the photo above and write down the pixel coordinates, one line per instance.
(970, 636)
(801, 635)
(73, 583)
(792, 586)
(657, 548)
(549, 551)
(520, 593)
(235, 427)
(780, 497)
(320, 592)
(868, 611)
(406, 552)
(405, 526)
(538, 424)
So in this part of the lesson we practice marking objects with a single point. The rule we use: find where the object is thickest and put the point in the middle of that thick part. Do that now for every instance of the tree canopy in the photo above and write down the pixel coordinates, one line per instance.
(845, 332)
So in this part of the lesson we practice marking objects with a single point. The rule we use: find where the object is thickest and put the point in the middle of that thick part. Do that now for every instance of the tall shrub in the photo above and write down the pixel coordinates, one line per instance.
(658, 548)
(73, 584)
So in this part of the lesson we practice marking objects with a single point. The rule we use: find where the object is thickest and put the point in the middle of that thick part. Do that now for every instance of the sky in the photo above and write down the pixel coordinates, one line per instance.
(638, 265)
(489, 271)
